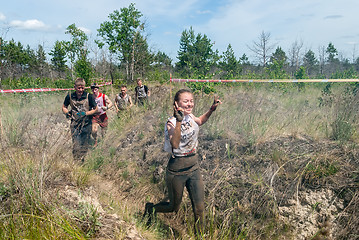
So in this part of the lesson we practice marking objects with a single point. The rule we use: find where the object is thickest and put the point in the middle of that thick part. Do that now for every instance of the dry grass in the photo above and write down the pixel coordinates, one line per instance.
(264, 152)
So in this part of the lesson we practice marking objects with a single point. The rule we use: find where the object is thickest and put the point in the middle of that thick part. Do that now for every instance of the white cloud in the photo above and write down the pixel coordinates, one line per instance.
(85, 30)
(238, 22)
(32, 24)
(2, 17)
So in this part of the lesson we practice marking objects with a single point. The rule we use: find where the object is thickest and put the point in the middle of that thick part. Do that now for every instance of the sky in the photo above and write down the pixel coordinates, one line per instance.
(314, 23)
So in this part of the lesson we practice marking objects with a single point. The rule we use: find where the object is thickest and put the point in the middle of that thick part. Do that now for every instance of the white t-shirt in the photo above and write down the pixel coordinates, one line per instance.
(189, 136)
(100, 101)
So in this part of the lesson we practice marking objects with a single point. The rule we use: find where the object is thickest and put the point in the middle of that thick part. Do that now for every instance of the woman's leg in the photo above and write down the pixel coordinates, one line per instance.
(195, 189)
(175, 185)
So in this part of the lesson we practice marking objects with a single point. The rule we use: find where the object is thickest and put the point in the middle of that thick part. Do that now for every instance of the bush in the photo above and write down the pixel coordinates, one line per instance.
(204, 87)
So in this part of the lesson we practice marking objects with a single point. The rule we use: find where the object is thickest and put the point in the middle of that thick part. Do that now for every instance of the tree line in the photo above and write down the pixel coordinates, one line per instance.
(122, 51)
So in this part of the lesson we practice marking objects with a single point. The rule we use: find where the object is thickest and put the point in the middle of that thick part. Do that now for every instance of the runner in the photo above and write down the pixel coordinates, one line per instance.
(141, 93)
(123, 101)
(83, 106)
(100, 118)
(181, 140)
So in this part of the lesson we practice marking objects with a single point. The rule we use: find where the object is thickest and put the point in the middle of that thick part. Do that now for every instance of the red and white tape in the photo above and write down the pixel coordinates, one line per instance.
(263, 80)
(44, 89)
(193, 80)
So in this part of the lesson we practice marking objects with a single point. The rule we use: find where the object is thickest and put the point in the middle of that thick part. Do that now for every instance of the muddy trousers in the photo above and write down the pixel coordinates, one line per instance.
(194, 183)
(142, 101)
(80, 141)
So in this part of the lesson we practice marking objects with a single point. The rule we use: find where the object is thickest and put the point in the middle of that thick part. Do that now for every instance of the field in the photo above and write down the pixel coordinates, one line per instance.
(279, 162)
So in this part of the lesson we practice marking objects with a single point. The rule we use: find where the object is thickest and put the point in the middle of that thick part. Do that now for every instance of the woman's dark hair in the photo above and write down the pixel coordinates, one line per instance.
(179, 92)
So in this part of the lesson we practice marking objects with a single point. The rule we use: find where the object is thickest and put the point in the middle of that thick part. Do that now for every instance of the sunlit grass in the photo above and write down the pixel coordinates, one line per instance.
(35, 137)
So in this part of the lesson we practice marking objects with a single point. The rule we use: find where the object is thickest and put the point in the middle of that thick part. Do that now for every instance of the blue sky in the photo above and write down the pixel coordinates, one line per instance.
(315, 23)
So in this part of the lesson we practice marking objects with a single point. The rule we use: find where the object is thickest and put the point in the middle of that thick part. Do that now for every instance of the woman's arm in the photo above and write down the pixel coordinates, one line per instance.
(174, 132)
(203, 118)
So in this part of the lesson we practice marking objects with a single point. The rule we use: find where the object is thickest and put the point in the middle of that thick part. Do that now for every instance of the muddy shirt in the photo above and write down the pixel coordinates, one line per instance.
(85, 103)
(122, 102)
(141, 92)
(189, 137)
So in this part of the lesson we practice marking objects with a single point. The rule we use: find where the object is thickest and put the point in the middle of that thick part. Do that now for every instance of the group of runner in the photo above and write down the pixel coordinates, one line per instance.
(88, 112)
(181, 140)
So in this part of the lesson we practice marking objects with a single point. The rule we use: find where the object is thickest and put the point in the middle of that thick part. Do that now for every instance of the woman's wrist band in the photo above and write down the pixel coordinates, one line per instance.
(213, 108)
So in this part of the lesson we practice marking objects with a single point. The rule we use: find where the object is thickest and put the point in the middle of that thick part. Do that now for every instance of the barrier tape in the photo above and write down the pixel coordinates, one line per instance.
(193, 80)
(45, 89)
(264, 80)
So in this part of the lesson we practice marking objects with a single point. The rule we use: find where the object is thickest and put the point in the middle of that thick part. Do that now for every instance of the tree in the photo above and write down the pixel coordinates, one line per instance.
(142, 57)
(332, 59)
(2, 57)
(15, 58)
(278, 56)
(58, 59)
(162, 59)
(332, 53)
(321, 51)
(120, 34)
(75, 47)
(262, 48)
(40, 58)
(277, 64)
(195, 54)
(186, 51)
(204, 55)
(301, 73)
(29, 60)
(104, 64)
(294, 55)
(244, 59)
(83, 66)
(356, 64)
(229, 64)
(310, 62)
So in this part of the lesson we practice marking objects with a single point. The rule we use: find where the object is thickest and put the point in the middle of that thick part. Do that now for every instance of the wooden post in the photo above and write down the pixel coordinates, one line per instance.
(1, 127)
(170, 87)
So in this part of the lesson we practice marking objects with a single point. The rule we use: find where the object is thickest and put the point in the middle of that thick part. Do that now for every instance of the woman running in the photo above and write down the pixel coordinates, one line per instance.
(181, 140)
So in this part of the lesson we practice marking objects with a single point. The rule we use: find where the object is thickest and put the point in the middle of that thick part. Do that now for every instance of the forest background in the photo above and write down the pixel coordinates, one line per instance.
(122, 53)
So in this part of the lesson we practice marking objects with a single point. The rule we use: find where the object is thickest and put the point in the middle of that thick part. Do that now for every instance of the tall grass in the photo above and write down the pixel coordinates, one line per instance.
(37, 169)
(245, 201)
(32, 157)
(259, 148)
(253, 115)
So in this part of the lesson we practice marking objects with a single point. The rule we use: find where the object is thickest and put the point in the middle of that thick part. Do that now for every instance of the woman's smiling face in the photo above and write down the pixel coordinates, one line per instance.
(186, 102)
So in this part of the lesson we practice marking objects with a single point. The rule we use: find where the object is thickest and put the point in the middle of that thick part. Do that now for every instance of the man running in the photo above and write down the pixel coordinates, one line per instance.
(83, 106)
(141, 93)
(123, 101)
(100, 118)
